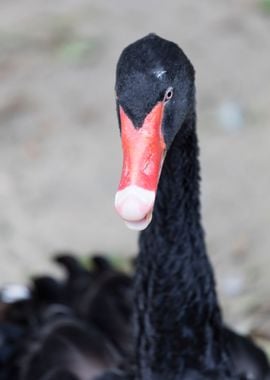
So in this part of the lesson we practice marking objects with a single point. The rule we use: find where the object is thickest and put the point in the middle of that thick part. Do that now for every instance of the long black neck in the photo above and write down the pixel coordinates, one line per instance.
(177, 314)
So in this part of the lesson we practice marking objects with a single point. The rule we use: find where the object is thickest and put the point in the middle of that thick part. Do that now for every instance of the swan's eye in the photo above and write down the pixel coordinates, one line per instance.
(168, 95)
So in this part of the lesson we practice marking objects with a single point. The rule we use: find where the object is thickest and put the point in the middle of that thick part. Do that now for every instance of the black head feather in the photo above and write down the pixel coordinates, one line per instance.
(145, 70)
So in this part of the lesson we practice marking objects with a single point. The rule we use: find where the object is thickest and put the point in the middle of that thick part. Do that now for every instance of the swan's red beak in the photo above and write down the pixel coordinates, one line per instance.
(143, 153)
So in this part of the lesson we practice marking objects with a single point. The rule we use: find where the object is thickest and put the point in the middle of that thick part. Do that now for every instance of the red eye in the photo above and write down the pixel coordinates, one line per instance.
(168, 94)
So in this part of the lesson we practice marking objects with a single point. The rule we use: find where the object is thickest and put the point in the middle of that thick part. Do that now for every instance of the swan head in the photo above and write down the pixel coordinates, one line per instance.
(154, 93)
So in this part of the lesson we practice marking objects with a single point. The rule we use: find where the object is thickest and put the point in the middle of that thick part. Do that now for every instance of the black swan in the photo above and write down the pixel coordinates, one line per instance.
(179, 328)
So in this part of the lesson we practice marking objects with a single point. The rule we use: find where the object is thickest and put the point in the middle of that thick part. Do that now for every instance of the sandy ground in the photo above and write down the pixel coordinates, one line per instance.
(60, 153)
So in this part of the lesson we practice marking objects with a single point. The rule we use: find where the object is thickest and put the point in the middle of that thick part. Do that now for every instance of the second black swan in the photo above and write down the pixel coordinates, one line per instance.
(74, 328)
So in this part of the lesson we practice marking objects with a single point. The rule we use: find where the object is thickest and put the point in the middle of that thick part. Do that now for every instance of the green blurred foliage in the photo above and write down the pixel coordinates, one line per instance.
(265, 4)
(77, 50)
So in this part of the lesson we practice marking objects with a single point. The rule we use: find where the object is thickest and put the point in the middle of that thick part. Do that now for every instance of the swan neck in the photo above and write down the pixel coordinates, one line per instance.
(177, 308)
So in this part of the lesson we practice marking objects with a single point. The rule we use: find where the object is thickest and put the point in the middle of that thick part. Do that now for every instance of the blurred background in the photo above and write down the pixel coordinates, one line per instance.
(60, 156)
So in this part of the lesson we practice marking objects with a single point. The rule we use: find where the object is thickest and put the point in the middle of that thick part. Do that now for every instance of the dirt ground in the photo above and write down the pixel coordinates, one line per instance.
(60, 155)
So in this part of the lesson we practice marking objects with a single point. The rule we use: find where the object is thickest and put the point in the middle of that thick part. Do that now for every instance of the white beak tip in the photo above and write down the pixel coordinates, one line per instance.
(140, 225)
(135, 205)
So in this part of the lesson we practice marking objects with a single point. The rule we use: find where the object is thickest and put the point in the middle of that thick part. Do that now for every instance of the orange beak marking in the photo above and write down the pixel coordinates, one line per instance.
(143, 150)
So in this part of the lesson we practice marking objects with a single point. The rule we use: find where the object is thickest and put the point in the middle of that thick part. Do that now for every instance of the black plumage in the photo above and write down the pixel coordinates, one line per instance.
(78, 327)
